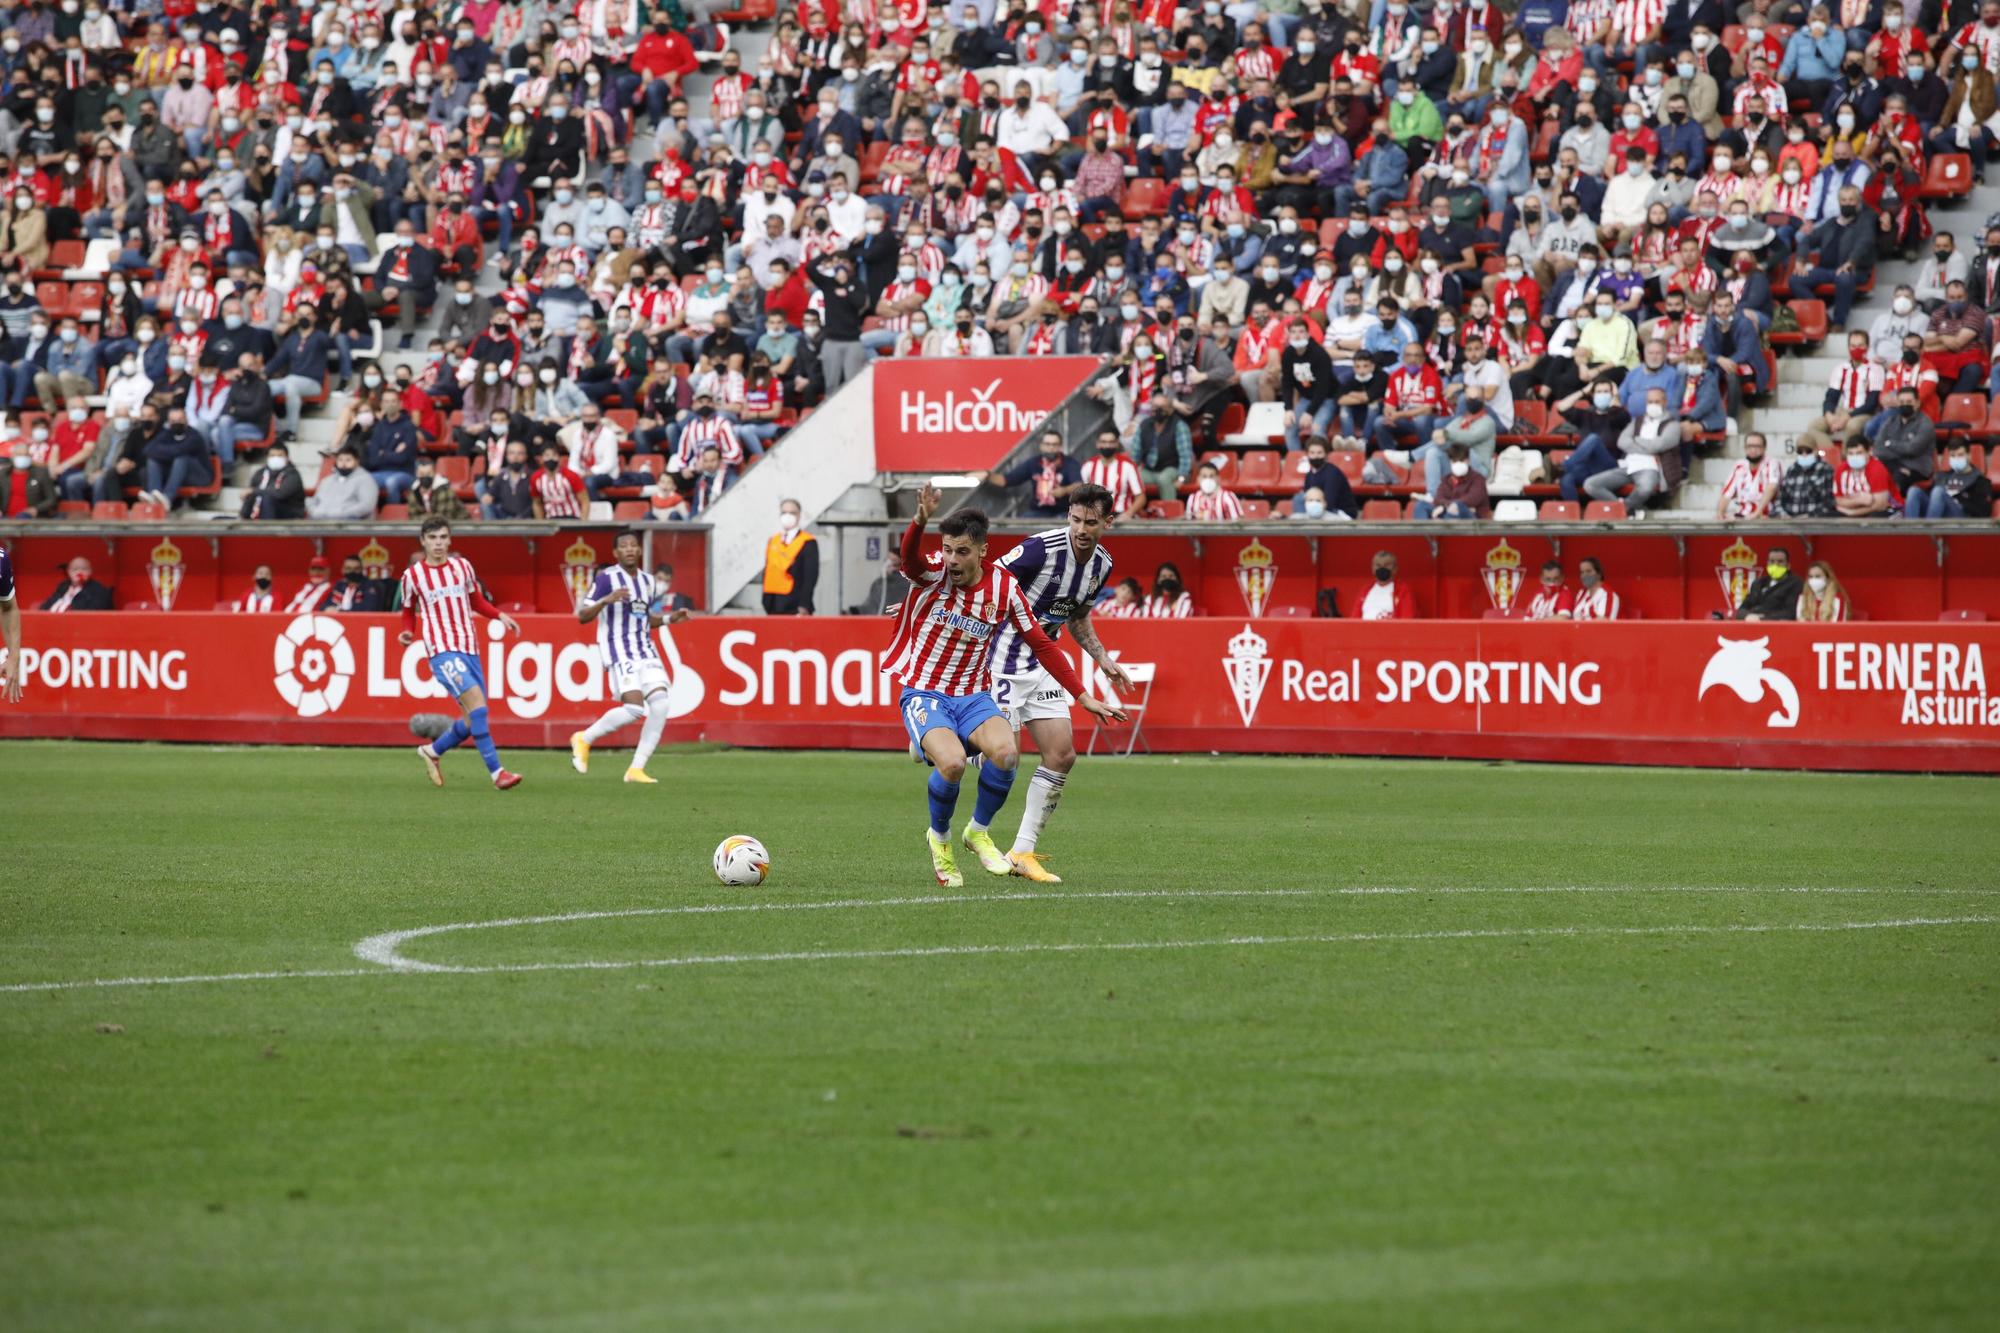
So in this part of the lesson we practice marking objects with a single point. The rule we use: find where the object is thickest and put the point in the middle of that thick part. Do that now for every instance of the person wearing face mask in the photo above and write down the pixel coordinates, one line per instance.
(260, 599)
(298, 372)
(841, 355)
(26, 488)
(276, 491)
(1813, 61)
(1598, 418)
(1774, 593)
(348, 493)
(1386, 598)
(1956, 341)
(1460, 493)
(1823, 600)
(1381, 173)
(1905, 450)
(1650, 462)
(1307, 386)
(1840, 253)
(1947, 264)
(1960, 491)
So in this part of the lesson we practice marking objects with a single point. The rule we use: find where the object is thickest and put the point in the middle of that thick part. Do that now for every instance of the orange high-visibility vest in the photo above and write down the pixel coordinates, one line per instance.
(778, 558)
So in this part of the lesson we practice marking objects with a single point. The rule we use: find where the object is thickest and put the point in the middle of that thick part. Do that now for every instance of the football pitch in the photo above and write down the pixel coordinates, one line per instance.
(1299, 1045)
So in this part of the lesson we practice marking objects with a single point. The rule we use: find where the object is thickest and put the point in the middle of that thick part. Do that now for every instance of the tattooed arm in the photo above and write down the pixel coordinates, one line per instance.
(1086, 639)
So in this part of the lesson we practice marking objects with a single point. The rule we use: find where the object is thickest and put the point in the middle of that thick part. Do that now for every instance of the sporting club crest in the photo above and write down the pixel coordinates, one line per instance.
(166, 569)
(1502, 576)
(1248, 668)
(1736, 573)
(1256, 575)
(376, 562)
(579, 567)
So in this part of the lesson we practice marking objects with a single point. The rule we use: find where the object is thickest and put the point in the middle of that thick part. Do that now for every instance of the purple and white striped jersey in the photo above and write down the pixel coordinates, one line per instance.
(1055, 584)
(622, 632)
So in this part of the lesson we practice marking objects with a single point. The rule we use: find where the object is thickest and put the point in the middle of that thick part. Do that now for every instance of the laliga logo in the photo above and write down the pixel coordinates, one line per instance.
(977, 415)
(684, 688)
(1248, 667)
(1738, 666)
(314, 662)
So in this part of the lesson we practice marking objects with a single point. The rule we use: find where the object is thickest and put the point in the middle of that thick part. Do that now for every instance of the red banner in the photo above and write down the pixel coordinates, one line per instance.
(1905, 696)
(954, 414)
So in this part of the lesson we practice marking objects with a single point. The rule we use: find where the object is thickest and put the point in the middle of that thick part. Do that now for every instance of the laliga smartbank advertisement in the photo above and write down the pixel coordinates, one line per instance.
(1874, 695)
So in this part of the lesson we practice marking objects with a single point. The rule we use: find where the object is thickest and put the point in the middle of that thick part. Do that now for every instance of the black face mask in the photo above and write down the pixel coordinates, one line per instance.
(1911, 358)
(704, 412)
(1021, 103)
(1569, 212)
(1849, 212)
(263, 584)
(551, 464)
(1383, 575)
(1907, 410)
(1168, 587)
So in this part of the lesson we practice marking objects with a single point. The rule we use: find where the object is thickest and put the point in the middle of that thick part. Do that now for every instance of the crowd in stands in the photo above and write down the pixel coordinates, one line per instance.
(1475, 251)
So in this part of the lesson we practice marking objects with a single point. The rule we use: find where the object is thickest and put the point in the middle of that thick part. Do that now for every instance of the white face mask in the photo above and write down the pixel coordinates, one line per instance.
(1817, 583)
(1209, 485)
(1460, 469)
(1858, 462)
(788, 520)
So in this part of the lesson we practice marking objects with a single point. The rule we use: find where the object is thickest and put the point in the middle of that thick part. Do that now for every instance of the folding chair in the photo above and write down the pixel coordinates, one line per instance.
(1142, 676)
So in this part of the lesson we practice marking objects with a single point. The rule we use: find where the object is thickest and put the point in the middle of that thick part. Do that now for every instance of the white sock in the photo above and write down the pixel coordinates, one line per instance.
(649, 735)
(611, 721)
(1044, 791)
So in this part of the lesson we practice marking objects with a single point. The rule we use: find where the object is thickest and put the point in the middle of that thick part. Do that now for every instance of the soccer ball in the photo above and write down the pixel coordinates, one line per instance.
(741, 860)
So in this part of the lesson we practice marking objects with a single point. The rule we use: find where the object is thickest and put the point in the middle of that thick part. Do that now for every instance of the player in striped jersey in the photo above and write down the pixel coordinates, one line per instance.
(1060, 572)
(620, 601)
(440, 595)
(942, 656)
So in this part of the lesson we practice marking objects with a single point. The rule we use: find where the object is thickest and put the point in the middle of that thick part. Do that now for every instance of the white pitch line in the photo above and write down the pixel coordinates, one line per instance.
(384, 950)
(977, 950)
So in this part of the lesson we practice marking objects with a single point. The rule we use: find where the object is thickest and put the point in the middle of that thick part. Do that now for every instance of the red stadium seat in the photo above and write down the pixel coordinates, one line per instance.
(73, 509)
(872, 158)
(147, 511)
(1256, 510)
(1964, 616)
(1350, 462)
(1559, 511)
(1146, 197)
(108, 511)
(1812, 325)
(1225, 466)
(1231, 421)
(1382, 511)
(53, 297)
(1604, 511)
(1949, 176)
(1962, 414)
(1261, 470)
(1165, 509)
(631, 511)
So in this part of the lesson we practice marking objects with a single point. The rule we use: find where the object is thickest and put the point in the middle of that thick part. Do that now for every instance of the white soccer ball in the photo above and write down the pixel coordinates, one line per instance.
(741, 860)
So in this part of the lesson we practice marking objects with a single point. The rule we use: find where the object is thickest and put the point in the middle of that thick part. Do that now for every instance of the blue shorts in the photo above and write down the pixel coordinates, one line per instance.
(458, 672)
(960, 714)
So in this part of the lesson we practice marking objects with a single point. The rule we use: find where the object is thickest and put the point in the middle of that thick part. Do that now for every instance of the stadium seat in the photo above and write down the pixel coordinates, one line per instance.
(1812, 325)
(1146, 197)
(1382, 511)
(1165, 509)
(1282, 509)
(1949, 176)
(53, 297)
(1230, 422)
(147, 511)
(1261, 470)
(457, 470)
(1255, 511)
(631, 511)
(1962, 414)
(1350, 462)
(1604, 511)
(1965, 616)
(872, 158)
(73, 509)
(1560, 511)
(63, 255)
(1225, 466)
(393, 514)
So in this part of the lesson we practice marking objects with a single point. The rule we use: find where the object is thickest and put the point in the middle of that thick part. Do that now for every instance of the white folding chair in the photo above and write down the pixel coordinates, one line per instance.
(1142, 676)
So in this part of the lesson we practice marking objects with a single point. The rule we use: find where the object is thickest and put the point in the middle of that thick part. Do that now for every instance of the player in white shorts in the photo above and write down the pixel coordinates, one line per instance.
(1060, 572)
(620, 601)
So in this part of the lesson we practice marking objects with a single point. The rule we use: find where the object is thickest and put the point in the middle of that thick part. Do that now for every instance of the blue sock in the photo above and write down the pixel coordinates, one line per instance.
(994, 784)
(944, 800)
(456, 735)
(484, 740)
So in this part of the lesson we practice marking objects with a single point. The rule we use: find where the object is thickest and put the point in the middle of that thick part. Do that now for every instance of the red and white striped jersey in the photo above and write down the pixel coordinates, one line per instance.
(442, 596)
(1854, 382)
(557, 492)
(1162, 607)
(944, 633)
(1599, 603)
(1218, 507)
(1119, 475)
(1747, 485)
(1552, 603)
(1636, 18)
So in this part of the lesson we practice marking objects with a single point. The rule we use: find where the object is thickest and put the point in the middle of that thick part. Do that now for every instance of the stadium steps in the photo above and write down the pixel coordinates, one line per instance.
(1802, 380)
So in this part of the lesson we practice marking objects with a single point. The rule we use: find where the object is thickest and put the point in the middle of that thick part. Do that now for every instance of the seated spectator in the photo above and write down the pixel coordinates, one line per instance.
(1593, 601)
(390, 454)
(1127, 601)
(355, 592)
(1115, 471)
(1460, 495)
(431, 494)
(26, 488)
(79, 591)
(1806, 488)
(347, 494)
(1774, 593)
(276, 491)
(1958, 342)
(508, 492)
(1907, 446)
(1957, 492)
(1752, 484)
(260, 599)
(177, 456)
(1824, 600)
(1594, 413)
(1650, 458)
(1840, 251)
(1169, 599)
(318, 587)
(1472, 430)
(69, 368)
(1387, 599)
(1319, 473)
(1210, 502)
(1553, 599)
(559, 492)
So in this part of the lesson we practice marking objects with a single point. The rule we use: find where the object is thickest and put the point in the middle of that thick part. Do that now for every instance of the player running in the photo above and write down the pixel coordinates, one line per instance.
(1060, 572)
(619, 602)
(942, 657)
(10, 631)
(442, 592)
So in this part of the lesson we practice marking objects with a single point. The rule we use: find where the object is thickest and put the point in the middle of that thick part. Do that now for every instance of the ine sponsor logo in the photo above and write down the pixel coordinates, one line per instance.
(1739, 666)
(103, 668)
(1941, 684)
(980, 414)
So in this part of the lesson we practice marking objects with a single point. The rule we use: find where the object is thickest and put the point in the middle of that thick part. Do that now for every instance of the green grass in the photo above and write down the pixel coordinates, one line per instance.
(1523, 1129)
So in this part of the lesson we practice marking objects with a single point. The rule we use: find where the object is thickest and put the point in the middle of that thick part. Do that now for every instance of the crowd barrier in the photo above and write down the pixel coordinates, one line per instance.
(1869, 696)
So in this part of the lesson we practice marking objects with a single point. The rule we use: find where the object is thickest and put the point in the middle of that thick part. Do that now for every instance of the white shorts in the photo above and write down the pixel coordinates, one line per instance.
(643, 676)
(1031, 698)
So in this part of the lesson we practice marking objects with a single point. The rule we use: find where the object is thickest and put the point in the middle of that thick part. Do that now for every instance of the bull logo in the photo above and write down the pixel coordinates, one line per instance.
(1739, 666)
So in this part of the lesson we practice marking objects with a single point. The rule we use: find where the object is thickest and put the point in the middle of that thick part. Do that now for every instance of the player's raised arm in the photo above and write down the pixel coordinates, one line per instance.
(912, 555)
